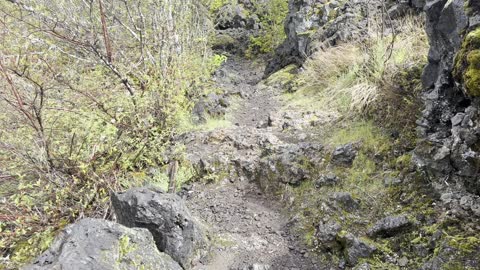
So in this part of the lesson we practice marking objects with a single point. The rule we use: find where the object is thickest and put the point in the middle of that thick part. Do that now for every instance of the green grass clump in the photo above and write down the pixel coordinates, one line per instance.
(371, 137)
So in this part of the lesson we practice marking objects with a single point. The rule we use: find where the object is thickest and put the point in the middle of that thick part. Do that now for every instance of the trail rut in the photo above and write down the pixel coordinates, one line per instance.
(250, 229)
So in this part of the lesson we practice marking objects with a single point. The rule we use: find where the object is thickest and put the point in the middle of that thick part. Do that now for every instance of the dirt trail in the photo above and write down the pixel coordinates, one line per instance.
(250, 230)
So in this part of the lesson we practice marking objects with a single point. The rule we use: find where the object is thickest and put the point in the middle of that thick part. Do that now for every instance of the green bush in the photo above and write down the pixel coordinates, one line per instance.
(86, 112)
(272, 14)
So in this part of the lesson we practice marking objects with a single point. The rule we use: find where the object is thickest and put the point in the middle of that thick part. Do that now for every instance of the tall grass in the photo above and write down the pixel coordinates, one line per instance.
(348, 78)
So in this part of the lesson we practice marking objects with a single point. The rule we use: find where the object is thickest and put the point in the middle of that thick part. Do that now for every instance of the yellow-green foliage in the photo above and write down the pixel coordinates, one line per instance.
(283, 78)
(34, 244)
(125, 247)
(222, 41)
(215, 5)
(371, 137)
(465, 244)
(272, 13)
(467, 67)
(79, 119)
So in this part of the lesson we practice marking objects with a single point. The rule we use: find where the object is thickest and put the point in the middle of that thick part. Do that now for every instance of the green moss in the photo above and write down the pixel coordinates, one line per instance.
(372, 139)
(26, 250)
(222, 41)
(308, 32)
(464, 244)
(215, 5)
(125, 247)
(283, 78)
(222, 241)
(472, 74)
(467, 63)
(333, 15)
(403, 161)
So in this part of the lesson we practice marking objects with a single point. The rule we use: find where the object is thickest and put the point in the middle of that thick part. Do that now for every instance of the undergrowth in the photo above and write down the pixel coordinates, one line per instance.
(86, 112)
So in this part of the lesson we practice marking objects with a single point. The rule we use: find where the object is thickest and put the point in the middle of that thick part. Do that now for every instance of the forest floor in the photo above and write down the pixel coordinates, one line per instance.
(249, 228)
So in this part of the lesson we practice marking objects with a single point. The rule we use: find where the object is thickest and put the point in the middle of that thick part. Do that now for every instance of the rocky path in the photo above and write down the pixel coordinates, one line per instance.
(249, 228)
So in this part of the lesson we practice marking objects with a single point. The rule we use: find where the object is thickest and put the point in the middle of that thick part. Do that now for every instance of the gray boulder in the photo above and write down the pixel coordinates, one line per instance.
(399, 9)
(357, 249)
(390, 226)
(231, 16)
(344, 155)
(326, 235)
(326, 180)
(94, 244)
(211, 105)
(345, 201)
(354, 248)
(166, 217)
(290, 163)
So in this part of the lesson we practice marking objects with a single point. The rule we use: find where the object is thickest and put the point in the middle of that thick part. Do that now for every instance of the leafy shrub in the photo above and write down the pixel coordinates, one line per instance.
(272, 14)
(92, 95)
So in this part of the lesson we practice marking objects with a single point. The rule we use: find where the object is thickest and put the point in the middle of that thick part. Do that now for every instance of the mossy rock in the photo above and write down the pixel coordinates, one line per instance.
(223, 42)
(284, 78)
(467, 63)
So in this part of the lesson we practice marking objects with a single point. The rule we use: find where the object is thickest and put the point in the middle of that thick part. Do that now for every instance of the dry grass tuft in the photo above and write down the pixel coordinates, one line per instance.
(349, 78)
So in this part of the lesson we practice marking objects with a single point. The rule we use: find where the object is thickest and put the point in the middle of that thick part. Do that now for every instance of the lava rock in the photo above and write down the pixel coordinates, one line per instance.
(290, 163)
(345, 201)
(231, 16)
(344, 155)
(448, 128)
(326, 235)
(390, 226)
(357, 250)
(314, 24)
(166, 217)
(94, 244)
(398, 10)
(326, 180)
(353, 248)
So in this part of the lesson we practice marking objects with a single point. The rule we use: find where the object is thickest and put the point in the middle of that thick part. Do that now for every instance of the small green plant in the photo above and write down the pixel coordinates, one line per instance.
(216, 61)
(125, 247)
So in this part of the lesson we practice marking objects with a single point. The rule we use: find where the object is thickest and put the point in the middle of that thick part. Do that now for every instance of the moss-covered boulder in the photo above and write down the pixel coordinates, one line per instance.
(467, 67)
